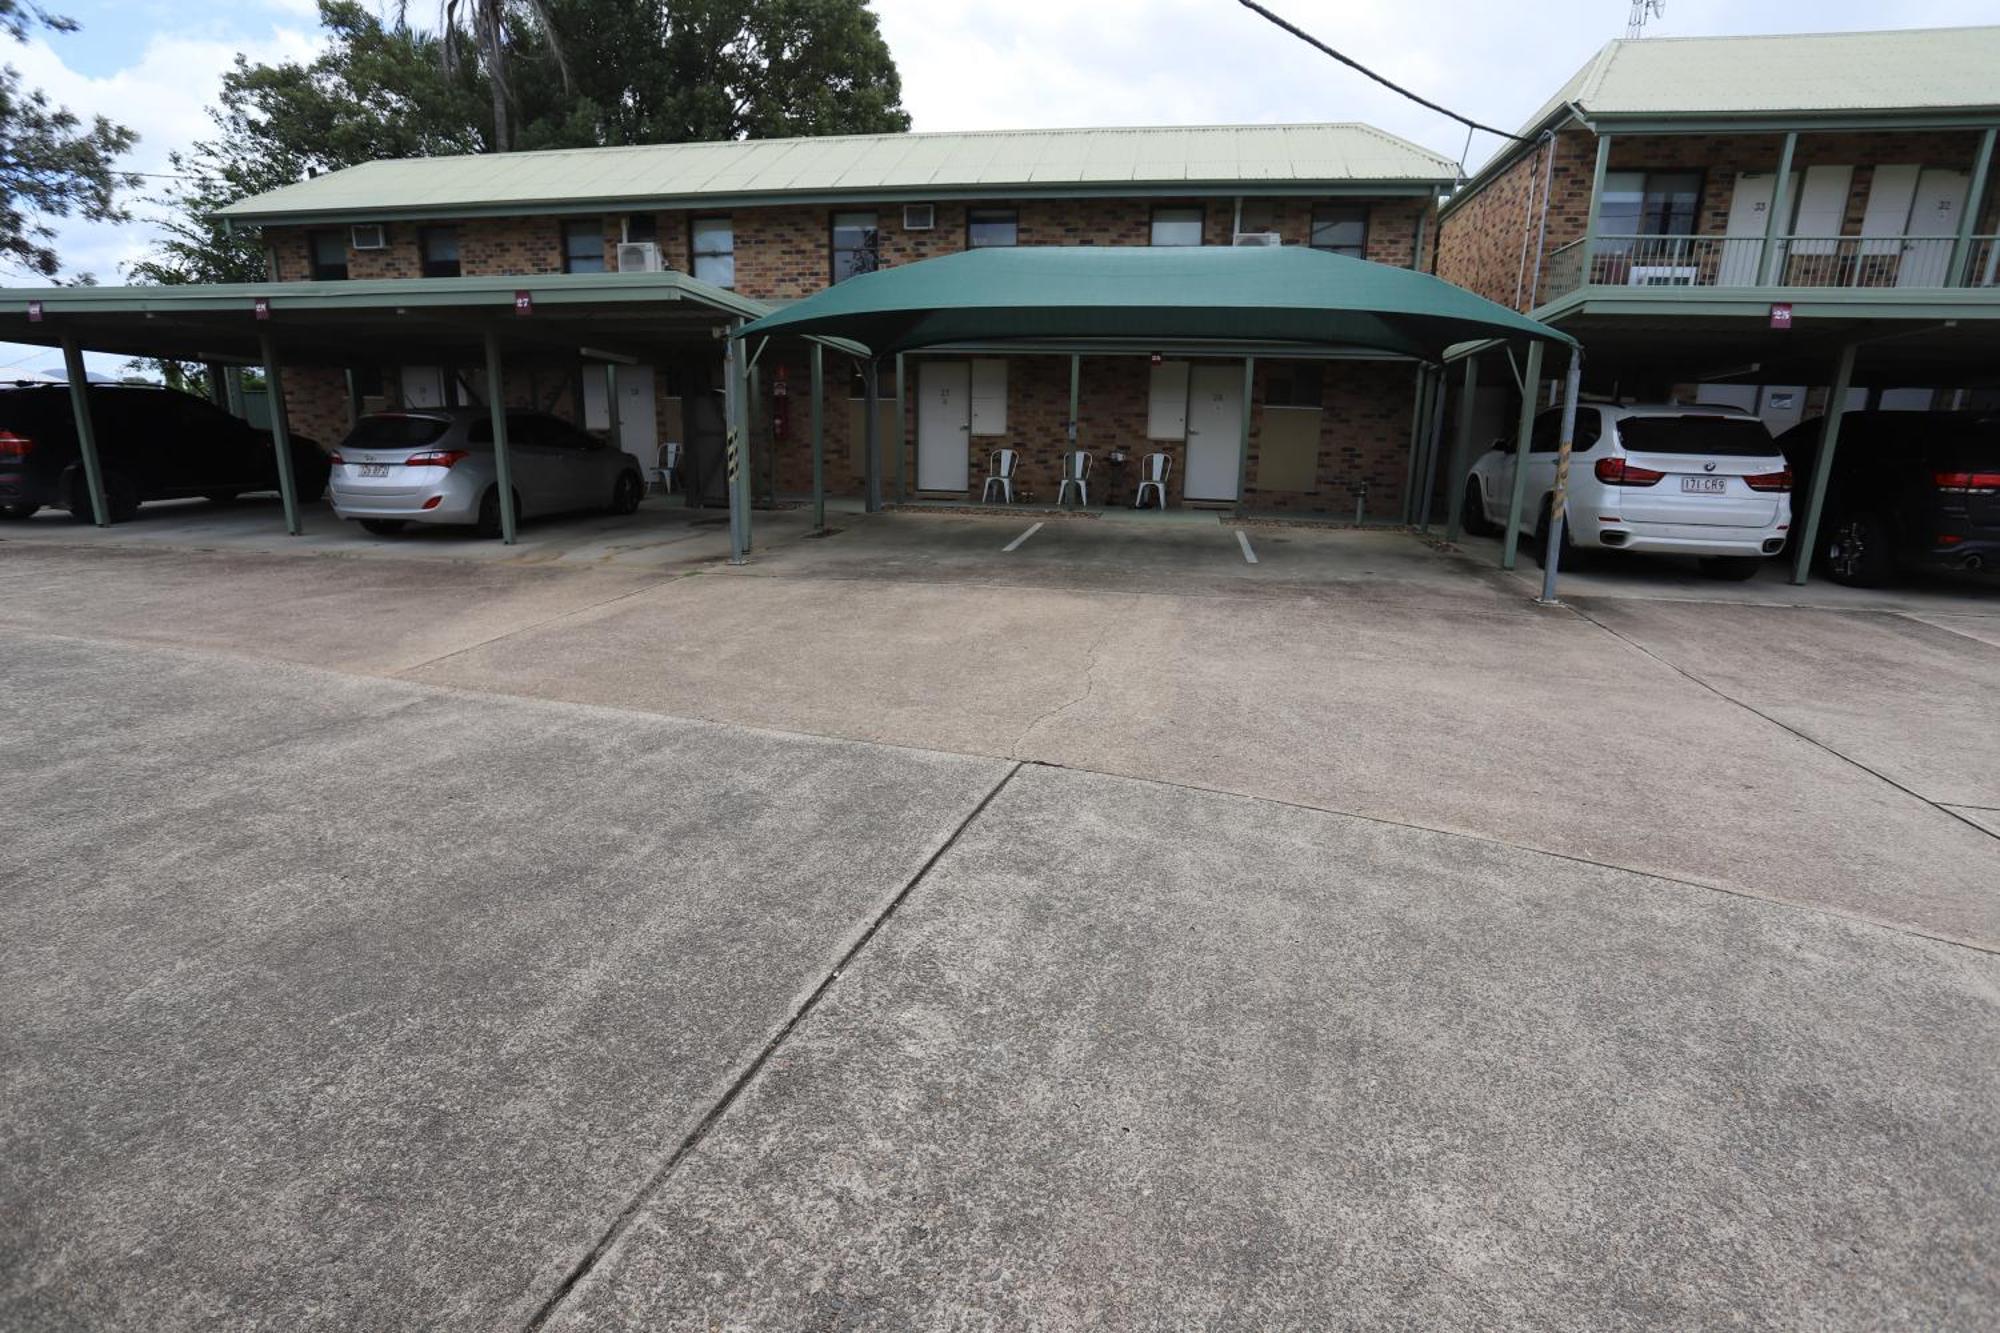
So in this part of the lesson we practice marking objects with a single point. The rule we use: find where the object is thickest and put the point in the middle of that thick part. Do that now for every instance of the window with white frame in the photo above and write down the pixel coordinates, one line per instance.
(714, 244)
(1177, 226)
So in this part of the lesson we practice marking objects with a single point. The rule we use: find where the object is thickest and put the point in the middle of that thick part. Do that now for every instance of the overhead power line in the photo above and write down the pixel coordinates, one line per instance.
(1354, 64)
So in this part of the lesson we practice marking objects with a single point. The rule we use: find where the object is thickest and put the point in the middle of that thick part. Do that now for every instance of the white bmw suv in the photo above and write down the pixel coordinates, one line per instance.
(1703, 481)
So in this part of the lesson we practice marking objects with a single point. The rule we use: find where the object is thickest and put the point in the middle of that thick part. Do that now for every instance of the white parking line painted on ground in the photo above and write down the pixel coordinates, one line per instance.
(1243, 540)
(1023, 537)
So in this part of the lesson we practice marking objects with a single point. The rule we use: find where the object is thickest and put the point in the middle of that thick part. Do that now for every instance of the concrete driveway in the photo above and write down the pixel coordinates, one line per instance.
(908, 932)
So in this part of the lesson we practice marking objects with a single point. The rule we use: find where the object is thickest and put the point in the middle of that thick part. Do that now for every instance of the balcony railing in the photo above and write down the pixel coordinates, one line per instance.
(1794, 261)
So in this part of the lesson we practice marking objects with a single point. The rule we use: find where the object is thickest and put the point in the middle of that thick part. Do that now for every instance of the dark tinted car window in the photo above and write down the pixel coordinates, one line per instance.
(396, 432)
(1729, 437)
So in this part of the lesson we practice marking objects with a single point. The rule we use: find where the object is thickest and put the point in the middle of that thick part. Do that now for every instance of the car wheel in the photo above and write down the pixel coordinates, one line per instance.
(17, 512)
(1732, 568)
(383, 527)
(626, 493)
(121, 498)
(1858, 552)
(1473, 516)
(489, 512)
(1567, 556)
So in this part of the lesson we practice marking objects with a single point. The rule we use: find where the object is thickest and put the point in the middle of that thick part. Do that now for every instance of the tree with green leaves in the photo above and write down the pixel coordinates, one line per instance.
(52, 165)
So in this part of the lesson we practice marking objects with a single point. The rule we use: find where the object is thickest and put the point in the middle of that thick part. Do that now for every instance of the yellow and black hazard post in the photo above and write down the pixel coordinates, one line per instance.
(735, 411)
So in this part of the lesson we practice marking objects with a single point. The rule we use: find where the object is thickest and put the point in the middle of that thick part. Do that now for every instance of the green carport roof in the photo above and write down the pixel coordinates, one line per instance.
(1248, 295)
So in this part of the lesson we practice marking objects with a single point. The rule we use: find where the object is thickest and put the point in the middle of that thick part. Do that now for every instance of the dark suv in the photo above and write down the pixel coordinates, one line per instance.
(155, 444)
(1908, 490)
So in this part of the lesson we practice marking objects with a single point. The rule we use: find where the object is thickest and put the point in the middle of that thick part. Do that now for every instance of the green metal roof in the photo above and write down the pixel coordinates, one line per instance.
(1285, 295)
(875, 166)
(1803, 74)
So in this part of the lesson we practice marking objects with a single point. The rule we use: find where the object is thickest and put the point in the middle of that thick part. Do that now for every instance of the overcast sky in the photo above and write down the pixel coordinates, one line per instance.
(156, 64)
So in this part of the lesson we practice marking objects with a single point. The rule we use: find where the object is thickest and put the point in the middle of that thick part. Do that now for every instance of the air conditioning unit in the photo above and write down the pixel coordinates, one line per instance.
(370, 236)
(1663, 275)
(919, 217)
(638, 257)
(1258, 238)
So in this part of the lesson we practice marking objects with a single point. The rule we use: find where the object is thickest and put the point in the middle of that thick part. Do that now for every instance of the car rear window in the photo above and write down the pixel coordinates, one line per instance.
(1729, 437)
(396, 432)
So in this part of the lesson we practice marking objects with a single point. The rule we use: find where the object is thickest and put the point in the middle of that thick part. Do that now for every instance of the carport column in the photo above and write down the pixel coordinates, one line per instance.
(1417, 410)
(819, 437)
(1771, 262)
(1559, 498)
(611, 422)
(281, 432)
(86, 430)
(1975, 199)
(1243, 457)
(1427, 491)
(1531, 393)
(503, 462)
(902, 427)
(1829, 440)
(1075, 398)
(1461, 451)
(736, 427)
(353, 400)
(871, 452)
(218, 386)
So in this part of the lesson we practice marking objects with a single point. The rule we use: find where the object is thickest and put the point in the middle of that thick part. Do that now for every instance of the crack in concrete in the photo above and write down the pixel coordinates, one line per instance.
(1092, 661)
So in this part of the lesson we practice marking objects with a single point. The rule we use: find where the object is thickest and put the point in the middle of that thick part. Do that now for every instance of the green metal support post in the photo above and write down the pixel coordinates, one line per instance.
(1243, 451)
(353, 400)
(902, 427)
(1531, 396)
(1075, 432)
(871, 450)
(218, 385)
(1427, 487)
(1419, 411)
(503, 461)
(734, 417)
(1829, 440)
(1461, 452)
(1559, 497)
(1770, 263)
(745, 410)
(613, 426)
(86, 430)
(819, 437)
(281, 432)
(1591, 218)
(1975, 200)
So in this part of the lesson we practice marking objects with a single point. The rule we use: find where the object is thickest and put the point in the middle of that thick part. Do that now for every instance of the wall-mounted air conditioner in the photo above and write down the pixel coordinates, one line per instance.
(1258, 238)
(638, 257)
(370, 236)
(1663, 275)
(919, 217)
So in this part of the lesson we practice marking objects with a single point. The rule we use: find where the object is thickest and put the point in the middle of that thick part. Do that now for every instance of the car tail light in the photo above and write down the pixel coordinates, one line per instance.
(333, 456)
(1957, 483)
(437, 458)
(14, 448)
(1781, 480)
(433, 502)
(1618, 472)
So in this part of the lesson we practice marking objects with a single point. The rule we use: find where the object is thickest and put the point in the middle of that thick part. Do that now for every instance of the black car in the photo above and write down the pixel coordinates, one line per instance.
(155, 444)
(1909, 490)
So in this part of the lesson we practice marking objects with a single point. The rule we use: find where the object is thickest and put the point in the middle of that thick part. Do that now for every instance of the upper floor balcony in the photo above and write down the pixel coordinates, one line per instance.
(1818, 261)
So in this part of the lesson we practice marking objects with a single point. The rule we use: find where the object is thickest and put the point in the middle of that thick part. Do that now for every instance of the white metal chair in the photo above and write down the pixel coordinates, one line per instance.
(669, 464)
(1154, 471)
(1000, 472)
(1075, 472)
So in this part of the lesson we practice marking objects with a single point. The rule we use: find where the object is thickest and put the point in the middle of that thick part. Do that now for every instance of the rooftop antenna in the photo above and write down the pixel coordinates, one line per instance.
(1635, 23)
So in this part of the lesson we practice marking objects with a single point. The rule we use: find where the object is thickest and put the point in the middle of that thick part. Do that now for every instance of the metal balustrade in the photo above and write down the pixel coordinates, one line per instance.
(1791, 261)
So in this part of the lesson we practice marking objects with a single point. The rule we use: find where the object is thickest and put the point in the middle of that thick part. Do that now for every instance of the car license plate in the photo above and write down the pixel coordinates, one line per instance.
(1705, 485)
(374, 469)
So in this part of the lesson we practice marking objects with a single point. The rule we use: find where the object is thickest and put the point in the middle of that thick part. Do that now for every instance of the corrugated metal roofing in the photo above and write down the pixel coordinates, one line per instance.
(1918, 69)
(1044, 161)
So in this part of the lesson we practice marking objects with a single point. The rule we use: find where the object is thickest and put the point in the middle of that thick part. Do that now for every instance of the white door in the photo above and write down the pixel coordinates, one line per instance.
(1214, 433)
(1815, 251)
(1890, 195)
(944, 425)
(1933, 227)
(423, 386)
(1743, 241)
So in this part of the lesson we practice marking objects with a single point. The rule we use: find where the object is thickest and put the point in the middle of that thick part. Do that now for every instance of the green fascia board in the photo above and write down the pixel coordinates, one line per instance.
(1755, 302)
(379, 293)
(238, 215)
(1241, 297)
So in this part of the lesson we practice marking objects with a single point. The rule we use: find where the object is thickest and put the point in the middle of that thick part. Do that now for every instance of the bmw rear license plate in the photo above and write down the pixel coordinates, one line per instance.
(1696, 485)
(374, 469)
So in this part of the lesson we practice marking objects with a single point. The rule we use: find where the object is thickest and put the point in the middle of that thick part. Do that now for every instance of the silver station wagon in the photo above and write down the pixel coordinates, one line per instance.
(435, 465)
